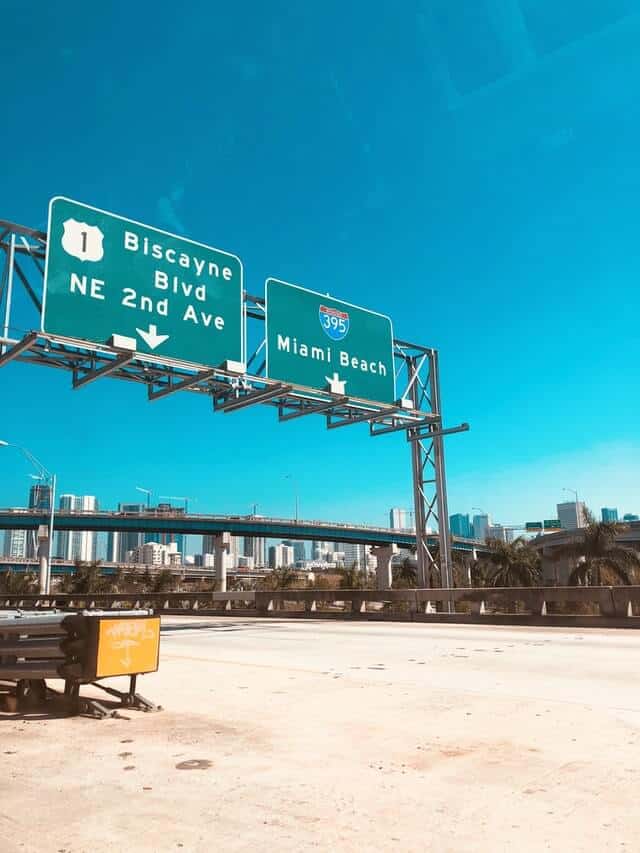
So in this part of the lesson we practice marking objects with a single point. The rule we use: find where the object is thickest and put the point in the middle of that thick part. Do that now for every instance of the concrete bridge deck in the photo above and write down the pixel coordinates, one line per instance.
(156, 522)
(309, 735)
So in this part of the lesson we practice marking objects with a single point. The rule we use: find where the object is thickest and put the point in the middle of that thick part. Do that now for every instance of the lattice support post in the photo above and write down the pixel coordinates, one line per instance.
(429, 481)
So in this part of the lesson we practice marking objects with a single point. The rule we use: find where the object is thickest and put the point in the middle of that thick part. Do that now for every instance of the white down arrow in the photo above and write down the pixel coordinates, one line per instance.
(151, 337)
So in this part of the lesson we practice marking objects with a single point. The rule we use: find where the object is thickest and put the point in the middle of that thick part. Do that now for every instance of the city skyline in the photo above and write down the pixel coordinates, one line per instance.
(254, 551)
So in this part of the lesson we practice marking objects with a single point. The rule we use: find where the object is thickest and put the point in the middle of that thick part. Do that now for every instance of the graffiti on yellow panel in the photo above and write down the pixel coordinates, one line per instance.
(128, 646)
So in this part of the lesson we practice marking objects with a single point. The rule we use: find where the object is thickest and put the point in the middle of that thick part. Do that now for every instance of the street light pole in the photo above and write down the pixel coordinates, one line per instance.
(43, 474)
(147, 492)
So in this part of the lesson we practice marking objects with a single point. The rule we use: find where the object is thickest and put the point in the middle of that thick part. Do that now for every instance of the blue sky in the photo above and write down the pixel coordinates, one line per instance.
(469, 169)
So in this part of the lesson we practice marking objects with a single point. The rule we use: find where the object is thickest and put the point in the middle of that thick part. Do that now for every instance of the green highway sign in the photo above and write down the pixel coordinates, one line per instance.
(322, 343)
(112, 280)
(533, 525)
(552, 524)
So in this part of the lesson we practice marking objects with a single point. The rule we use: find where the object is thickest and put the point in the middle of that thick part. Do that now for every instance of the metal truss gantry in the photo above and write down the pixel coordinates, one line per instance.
(417, 411)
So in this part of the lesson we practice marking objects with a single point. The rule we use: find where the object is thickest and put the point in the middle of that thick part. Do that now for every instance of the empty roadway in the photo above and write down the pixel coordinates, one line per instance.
(305, 735)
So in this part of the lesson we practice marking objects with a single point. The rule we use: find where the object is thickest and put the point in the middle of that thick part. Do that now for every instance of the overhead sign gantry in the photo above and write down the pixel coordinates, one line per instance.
(118, 298)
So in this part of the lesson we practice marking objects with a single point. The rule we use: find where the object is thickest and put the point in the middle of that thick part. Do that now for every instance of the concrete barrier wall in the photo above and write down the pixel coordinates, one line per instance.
(606, 606)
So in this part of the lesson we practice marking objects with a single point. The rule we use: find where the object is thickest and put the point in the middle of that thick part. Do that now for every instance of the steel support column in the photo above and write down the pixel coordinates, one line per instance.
(7, 290)
(423, 554)
(429, 482)
(446, 567)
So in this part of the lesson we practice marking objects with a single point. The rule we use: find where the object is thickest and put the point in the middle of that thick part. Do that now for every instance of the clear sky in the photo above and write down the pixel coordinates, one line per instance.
(469, 168)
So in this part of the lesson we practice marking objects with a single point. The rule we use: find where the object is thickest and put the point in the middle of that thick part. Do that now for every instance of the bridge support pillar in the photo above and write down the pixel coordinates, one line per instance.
(220, 548)
(44, 556)
(384, 555)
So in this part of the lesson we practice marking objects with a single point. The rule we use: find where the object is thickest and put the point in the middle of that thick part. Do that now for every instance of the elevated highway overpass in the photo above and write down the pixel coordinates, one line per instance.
(557, 570)
(208, 525)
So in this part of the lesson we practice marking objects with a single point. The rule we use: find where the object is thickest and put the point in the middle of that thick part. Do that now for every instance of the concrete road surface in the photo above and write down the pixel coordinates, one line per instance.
(287, 735)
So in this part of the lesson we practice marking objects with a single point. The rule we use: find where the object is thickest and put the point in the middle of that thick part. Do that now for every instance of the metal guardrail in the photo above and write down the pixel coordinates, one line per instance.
(167, 602)
(30, 645)
(620, 603)
(80, 648)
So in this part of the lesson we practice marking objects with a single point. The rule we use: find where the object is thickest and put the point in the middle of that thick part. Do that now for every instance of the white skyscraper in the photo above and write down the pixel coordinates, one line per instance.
(502, 534)
(15, 544)
(77, 544)
(256, 548)
(280, 556)
(354, 554)
(572, 515)
(400, 519)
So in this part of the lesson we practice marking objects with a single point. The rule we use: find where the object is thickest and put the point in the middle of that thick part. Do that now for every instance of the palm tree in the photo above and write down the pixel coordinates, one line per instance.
(17, 583)
(86, 578)
(283, 578)
(512, 563)
(480, 572)
(163, 581)
(597, 555)
(146, 580)
(405, 575)
(352, 578)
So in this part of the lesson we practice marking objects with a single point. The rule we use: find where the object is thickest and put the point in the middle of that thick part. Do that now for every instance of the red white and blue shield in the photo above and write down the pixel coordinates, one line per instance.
(335, 323)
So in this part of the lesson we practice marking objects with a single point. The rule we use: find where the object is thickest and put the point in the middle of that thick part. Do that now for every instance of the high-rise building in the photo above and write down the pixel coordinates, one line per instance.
(280, 556)
(354, 554)
(321, 550)
(399, 519)
(499, 532)
(232, 547)
(609, 513)
(80, 544)
(572, 515)
(256, 547)
(481, 524)
(40, 496)
(120, 543)
(299, 550)
(460, 525)
(15, 544)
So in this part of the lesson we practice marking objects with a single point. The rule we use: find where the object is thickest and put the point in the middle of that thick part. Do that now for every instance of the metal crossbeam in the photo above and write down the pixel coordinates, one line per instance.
(189, 382)
(105, 370)
(17, 349)
(367, 416)
(261, 396)
(313, 410)
(396, 427)
(421, 436)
